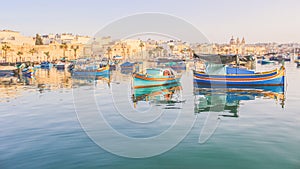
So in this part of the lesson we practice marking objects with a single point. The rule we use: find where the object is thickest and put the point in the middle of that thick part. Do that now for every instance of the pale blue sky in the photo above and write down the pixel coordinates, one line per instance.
(257, 20)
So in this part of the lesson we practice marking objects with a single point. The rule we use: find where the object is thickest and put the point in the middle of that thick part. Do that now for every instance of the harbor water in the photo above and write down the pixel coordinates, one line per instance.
(40, 124)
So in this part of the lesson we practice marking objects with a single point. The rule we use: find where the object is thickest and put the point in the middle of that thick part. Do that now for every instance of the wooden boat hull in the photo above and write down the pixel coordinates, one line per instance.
(176, 65)
(126, 71)
(46, 65)
(273, 78)
(266, 62)
(29, 72)
(60, 67)
(298, 63)
(6, 73)
(94, 72)
(142, 81)
(237, 76)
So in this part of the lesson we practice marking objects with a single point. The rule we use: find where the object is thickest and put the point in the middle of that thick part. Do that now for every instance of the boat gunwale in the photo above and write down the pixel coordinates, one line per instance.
(255, 74)
(144, 77)
(280, 73)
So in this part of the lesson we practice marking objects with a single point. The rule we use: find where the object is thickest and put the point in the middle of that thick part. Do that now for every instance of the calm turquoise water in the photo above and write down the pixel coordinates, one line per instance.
(39, 127)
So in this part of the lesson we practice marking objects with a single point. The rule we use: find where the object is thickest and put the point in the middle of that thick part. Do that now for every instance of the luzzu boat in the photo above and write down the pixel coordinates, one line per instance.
(60, 65)
(298, 63)
(6, 73)
(91, 71)
(29, 72)
(46, 65)
(242, 77)
(265, 62)
(176, 65)
(155, 77)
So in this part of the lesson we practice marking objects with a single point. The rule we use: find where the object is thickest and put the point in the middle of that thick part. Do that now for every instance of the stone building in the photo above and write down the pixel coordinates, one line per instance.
(16, 47)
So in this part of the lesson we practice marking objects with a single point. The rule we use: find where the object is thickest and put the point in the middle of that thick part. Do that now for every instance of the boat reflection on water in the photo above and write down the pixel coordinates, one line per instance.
(227, 100)
(222, 101)
(83, 79)
(168, 95)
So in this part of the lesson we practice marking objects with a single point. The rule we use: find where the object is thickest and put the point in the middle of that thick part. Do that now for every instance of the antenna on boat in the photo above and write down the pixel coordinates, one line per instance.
(237, 63)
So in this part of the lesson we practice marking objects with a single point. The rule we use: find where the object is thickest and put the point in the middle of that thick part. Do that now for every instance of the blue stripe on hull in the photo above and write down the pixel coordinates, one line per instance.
(60, 67)
(276, 81)
(46, 66)
(235, 76)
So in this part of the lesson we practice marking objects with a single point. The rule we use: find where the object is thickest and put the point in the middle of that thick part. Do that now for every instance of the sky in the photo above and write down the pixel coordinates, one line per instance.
(256, 20)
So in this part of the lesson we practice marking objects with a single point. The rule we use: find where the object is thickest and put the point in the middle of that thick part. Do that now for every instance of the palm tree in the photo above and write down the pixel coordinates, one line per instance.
(75, 48)
(109, 52)
(159, 50)
(172, 48)
(64, 47)
(165, 52)
(32, 51)
(226, 51)
(47, 54)
(141, 45)
(19, 53)
(5, 48)
(123, 49)
(150, 53)
(128, 52)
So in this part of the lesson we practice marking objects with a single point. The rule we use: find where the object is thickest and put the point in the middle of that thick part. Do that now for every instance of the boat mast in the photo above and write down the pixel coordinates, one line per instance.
(237, 62)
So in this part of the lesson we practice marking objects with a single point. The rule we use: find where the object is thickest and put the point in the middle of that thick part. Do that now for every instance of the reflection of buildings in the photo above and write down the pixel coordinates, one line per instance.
(9, 89)
(53, 79)
(228, 100)
(43, 80)
(88, 80)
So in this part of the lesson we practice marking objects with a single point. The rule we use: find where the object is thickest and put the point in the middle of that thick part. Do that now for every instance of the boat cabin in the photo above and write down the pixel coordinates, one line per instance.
(159, 72)
(221, 69)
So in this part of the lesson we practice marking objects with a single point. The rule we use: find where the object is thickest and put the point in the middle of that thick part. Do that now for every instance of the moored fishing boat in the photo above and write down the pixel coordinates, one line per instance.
(37, 66)
(60, 65)
(298, 63)
(128, 67)
(242, 78)
(266, 62)
(176, 65)
(155, 77)
(46, 65)
(91, 71)
(6, 73)
(29, 72)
